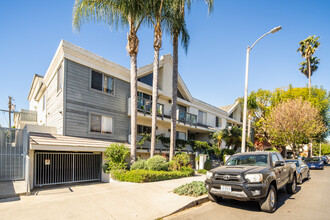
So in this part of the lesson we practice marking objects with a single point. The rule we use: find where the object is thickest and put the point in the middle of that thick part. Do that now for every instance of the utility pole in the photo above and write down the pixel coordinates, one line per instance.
(9, 108)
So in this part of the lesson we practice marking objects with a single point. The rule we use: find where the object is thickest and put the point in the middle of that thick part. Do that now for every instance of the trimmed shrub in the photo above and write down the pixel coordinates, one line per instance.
(202, 171)
(139, 165)
(157, 163)
(195, 188)
(207, 164)
(188, 170)
(115, 156)
(143, 176)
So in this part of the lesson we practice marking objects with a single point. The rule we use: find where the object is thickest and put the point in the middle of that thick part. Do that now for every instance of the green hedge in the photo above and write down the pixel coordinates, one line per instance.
(143, 176)
(201, 171)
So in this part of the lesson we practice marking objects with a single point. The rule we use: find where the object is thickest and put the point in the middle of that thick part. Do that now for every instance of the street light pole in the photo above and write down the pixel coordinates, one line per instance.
(248, 49)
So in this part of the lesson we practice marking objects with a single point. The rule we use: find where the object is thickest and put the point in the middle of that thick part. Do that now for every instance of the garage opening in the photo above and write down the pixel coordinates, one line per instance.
(58, 168)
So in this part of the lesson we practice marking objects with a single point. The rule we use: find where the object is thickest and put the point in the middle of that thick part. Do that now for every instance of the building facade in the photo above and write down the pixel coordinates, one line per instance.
(81, 105)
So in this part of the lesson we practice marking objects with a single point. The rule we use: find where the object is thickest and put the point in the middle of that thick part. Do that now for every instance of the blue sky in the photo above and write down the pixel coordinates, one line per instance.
(214, 67)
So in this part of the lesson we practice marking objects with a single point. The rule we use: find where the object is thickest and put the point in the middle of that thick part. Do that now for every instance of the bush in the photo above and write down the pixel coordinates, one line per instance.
(202, 171)
(188, 170)
(115, 156)
(179, 160)
(157, 163)
(195, 188)
(207, 164)
(143, 176)
(139, 165)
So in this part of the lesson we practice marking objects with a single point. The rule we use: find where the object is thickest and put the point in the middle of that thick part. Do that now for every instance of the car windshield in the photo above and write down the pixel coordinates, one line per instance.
(293, 161)
(312, 159)
(249, 160)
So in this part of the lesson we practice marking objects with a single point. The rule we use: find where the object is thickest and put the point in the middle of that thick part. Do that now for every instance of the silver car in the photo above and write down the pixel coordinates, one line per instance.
(302, 170)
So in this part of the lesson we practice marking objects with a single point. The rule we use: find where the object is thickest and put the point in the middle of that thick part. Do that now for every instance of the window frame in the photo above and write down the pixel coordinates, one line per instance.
(114, 81)
(59, 78)
(204, 119)
(101, 133)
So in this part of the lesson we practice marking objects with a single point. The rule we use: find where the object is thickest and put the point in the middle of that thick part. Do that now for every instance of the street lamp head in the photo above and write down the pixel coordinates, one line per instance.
(275, 29)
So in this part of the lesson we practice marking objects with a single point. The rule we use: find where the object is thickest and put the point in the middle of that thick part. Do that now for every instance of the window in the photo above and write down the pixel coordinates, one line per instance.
(280, 157)
(44, 102)
(148, 79)
(274, 159)
(141, 129)
(101, 124)
(202, 117)
(180, 95)
(59, 78)
(181, 135)
(217, 122)
(231, 115)
(102, 82)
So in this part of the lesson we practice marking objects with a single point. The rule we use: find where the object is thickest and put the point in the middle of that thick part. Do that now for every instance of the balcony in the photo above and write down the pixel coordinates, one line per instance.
(187, 118)
(145, 106)
(25, 117)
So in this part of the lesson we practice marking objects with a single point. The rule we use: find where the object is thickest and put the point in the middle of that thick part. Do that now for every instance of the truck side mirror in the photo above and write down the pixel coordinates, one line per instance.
(279, 163)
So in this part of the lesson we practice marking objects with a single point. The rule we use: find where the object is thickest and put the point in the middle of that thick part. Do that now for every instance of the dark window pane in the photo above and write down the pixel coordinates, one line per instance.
(182, 108)
(147, 79)
(216, 121)
(96, 81)
(95, 123)
(108, 84)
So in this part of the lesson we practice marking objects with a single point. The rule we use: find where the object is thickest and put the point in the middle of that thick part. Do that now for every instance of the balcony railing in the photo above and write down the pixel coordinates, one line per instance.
(27, 115)
(145, 106)
(187, 118)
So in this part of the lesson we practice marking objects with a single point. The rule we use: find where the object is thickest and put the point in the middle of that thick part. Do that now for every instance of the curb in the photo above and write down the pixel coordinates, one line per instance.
(192, 204)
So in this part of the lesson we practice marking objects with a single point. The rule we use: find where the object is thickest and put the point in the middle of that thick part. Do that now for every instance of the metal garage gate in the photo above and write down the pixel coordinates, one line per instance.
(57, 168)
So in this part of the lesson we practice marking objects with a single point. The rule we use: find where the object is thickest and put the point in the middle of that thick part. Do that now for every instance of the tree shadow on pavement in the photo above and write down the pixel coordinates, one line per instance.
(283, 196)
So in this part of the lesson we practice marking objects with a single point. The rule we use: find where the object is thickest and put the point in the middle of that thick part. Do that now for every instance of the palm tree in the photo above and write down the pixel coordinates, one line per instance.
(252, 106)
(117, 12)
(314, 66)
(155, 12)
(307, 48)
(232, 136)
(217, 137)
(177, 28)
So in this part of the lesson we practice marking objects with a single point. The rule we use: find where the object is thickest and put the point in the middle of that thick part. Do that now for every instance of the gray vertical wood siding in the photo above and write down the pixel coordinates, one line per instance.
(81, 101)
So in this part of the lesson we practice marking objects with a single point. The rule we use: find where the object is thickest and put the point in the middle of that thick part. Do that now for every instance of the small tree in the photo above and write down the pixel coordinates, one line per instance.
(116, 155)
(232, 137)
(293, 122)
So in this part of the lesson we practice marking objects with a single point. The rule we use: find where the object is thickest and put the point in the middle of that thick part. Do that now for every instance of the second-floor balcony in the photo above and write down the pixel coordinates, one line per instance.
(145, 106)
(186, 118)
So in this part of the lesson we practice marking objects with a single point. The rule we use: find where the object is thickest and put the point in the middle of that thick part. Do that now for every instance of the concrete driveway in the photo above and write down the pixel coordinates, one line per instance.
(100, 201)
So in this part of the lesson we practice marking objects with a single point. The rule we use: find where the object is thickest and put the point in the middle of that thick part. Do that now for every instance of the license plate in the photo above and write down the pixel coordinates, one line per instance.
(312, 166)
(226, 188)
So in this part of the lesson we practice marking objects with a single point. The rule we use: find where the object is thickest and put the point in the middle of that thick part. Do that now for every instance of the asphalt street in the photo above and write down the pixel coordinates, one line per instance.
(310, 202)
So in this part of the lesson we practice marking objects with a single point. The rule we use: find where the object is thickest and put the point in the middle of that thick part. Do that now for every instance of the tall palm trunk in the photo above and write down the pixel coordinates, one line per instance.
(157, 46)
(132, 49)
(174, 94)
(309, 74)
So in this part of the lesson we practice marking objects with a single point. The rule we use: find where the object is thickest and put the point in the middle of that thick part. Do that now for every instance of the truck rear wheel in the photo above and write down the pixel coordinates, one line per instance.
(291, 188)
(269, 203)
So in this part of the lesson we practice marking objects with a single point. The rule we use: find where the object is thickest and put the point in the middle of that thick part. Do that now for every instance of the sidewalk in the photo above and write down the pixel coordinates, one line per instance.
(101, 201)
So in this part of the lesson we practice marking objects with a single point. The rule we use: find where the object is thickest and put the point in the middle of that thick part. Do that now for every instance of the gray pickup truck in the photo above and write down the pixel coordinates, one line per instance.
(255, 176)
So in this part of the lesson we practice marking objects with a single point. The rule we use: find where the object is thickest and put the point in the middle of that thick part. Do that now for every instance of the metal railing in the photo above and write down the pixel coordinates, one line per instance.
(145, 106)
(26, 115)
(187, 118)
(13, 148)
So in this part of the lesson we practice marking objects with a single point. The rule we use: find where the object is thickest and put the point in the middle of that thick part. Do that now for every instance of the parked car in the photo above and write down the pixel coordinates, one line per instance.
(302, 170)
(255, 176)
(314, 163)
(325, 159)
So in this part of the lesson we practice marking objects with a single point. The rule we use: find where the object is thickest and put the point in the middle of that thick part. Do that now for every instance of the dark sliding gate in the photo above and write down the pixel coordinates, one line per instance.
(57, 168)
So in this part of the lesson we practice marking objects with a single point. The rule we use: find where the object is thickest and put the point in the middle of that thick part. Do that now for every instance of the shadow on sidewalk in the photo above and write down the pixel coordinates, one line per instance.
(283, 196)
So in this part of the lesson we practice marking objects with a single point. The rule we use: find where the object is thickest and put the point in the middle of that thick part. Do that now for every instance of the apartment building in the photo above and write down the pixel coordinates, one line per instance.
(81, 105)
